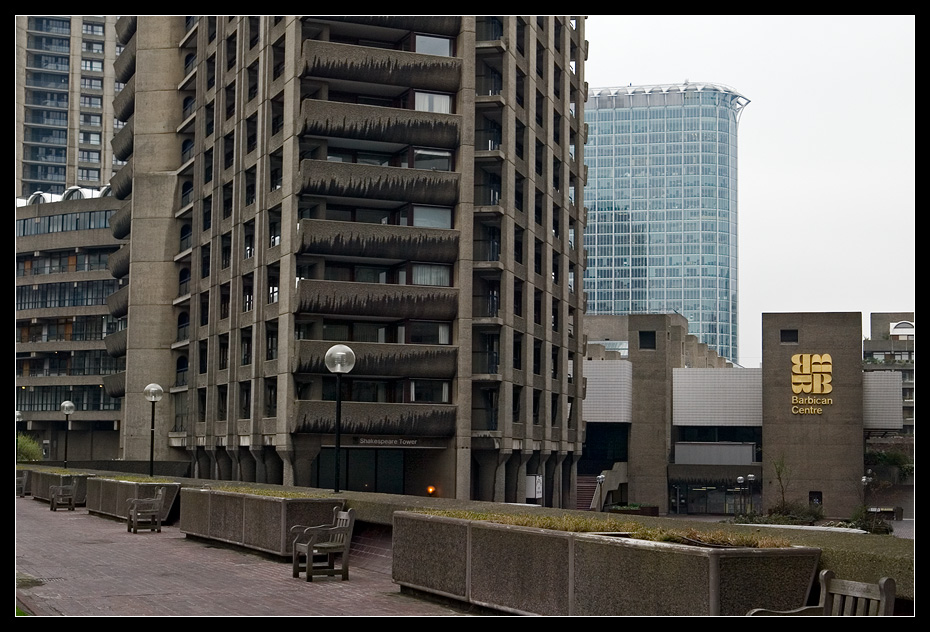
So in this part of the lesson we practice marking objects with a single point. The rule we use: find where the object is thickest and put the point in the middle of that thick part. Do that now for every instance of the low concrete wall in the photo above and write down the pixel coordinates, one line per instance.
(257, 522)
(538, 571)
(108, 497)
(41, 481)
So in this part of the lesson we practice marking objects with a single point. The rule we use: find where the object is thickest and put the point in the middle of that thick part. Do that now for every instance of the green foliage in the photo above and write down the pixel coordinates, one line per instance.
(790, 513)
(890, 458)
(27, 448)
(587, 524)
(261, 491)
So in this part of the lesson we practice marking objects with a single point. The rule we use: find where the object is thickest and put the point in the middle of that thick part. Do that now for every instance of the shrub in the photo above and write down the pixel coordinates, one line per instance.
(27, 448)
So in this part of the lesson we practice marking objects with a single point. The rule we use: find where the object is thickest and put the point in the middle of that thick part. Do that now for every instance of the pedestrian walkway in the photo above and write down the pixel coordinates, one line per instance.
(73, 563)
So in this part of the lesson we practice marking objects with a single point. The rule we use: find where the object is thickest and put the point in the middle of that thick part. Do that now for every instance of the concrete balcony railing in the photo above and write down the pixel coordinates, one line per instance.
(382, 359)
(126, 28)
(115, 384)
(120, 221)
(418, 420)
(118, 262)
(118, 302)
(121, 182)
(381, 65)
(125, 65)
(122, 142)
(124, 103)
(366, 122)
(323, 237)
(418, 186)
(373, 299)
(116, 343)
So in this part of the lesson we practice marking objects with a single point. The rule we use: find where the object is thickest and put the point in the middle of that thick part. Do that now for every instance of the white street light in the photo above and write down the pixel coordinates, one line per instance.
(339, 359)
(153, 393)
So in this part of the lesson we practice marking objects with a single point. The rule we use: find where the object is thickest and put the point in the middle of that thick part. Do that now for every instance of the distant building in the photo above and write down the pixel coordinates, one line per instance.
(64, 89)
(662, 205)
(63, 246)
(890, 348)
(668, 426)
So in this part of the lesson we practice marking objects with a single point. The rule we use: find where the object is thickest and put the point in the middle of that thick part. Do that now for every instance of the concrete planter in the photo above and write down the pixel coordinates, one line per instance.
(651, 510)
(526, 570)
(107, 496)
(41, 481)
(256, 522)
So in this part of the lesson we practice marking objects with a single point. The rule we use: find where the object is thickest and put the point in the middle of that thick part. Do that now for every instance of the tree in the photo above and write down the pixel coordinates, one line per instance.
(783, 476)
(27, 448)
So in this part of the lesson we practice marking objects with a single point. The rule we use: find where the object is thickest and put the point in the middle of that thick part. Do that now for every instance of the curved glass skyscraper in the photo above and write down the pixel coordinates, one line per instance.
(661, 195)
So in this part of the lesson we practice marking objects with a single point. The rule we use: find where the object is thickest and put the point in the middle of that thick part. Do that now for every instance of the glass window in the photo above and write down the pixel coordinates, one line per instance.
(429, 391)
(435, 159)
(432, 45)
(426, 274)
(432, 217)
(432, 102)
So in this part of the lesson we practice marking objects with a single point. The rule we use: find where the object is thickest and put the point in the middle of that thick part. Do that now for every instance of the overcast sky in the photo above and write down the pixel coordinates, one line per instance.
(826, 148)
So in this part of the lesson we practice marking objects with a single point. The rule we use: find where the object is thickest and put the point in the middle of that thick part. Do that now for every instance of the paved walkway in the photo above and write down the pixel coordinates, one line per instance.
(77, 564)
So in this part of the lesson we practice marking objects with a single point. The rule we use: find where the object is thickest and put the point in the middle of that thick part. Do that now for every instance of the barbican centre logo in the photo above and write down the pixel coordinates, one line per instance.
(811, 378)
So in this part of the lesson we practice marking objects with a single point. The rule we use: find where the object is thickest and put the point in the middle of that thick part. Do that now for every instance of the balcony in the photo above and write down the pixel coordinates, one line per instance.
(382, 359)
(324, 237)
(373, 299)
(381, 66)
(418, 186)
(366, 122)
(418, 420)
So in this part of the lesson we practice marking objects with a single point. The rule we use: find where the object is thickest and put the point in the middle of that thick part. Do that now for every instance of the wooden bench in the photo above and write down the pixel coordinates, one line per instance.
(844, 598)
(324, 540)
(22, 482)
(145, 513)
(61, 495)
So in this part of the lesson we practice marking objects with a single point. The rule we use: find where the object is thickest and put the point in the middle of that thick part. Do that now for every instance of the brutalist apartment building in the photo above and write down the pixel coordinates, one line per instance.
(408, 186)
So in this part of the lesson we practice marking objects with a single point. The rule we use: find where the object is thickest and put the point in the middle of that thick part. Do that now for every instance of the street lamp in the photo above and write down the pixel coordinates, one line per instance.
(339, 359)
(742, 504)
(600, 490)
(153, 393)
(67, 407)
(750, 478)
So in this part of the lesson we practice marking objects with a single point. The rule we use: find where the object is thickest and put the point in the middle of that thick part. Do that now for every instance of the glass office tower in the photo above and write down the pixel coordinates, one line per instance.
(662, 205)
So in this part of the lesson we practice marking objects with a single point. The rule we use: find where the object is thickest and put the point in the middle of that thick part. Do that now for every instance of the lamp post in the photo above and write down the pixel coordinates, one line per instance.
(750, 478)
(339, 359)
(153, 393)
(600, 490)
(67, 407)
(742, 504)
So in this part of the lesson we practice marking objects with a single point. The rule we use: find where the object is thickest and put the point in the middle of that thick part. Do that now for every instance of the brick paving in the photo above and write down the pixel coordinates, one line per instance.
(73, 563)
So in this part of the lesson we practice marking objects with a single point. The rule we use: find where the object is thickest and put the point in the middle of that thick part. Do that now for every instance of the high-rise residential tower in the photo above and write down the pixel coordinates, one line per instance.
(662, 200)
(408, 186)
(64, 102)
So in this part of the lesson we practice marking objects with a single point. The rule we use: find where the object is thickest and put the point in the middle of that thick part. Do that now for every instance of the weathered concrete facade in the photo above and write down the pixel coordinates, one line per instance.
(409, 186)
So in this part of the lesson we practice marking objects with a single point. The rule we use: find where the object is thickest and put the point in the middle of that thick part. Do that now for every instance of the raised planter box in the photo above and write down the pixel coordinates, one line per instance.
(256, 522)
(108, 496)
(651, 510)
(526, 570)
(41, 481)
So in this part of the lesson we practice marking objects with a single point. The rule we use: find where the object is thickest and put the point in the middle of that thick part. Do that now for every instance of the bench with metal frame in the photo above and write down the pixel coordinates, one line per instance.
(841, 597)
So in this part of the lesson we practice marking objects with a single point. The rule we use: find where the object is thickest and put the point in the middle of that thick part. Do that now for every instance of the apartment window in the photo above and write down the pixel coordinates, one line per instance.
(273, 283)
(430, 217)
(434, 159)
(432, 102)
(247, 293)
(248, 238)
(245, 400)
(92, 65)
(89, 138)
(93, 120)
(91, 83)
(89, 174)
(222, 396)
(429, 391)
(245, 345)
(91, 47)
(225, 250)
(87, 155)
(271, 397)
(274, 227)
(427, 274)
(432, 45)
(271, 340)
(91, 102)
(90, 28)
(428, 333)
(223, 360)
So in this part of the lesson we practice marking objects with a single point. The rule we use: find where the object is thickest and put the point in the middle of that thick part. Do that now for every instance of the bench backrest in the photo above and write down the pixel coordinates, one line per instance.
(842, 597)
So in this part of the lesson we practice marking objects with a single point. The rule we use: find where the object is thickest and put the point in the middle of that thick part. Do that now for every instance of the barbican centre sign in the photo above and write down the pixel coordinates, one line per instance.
(811, 380)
